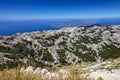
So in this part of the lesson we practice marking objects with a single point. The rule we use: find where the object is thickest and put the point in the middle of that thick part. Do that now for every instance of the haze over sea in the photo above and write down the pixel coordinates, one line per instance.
(20, 26)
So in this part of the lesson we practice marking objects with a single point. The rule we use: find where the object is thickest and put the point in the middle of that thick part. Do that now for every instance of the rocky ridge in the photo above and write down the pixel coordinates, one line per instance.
(60, 47)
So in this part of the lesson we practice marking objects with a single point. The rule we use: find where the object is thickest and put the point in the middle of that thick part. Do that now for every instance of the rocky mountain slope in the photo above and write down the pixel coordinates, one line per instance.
(61, 47)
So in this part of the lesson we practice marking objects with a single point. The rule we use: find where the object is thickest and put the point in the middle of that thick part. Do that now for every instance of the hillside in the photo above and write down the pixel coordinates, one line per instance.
(60, 47)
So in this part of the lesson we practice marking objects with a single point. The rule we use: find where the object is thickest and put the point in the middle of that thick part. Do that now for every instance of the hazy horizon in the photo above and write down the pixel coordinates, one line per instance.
(11, 27)
(38, 15)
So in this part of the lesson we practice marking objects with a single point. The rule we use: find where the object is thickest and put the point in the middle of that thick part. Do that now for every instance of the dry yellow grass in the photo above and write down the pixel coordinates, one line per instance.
(75, 72)
(14, 74)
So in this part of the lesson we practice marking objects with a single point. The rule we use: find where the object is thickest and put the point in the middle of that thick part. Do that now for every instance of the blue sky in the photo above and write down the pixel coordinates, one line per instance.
(53, 9)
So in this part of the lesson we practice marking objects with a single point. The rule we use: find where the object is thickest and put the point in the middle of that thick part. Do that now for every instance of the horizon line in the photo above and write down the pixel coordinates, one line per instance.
(59, 19)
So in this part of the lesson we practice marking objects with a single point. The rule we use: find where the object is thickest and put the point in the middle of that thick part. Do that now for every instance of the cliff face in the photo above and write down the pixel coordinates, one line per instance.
(60, 47)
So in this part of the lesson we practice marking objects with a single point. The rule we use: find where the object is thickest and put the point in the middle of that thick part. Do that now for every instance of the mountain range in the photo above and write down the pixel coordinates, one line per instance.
(69, 45)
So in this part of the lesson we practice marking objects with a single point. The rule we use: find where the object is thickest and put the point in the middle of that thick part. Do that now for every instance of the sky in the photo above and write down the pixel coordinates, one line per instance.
(56, 9)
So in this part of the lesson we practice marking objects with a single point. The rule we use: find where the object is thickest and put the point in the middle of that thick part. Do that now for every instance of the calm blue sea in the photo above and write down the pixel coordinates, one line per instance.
(12, 27)
(21, 26)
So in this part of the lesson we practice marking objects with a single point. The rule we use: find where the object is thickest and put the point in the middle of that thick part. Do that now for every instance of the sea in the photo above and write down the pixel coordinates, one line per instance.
(10, 27)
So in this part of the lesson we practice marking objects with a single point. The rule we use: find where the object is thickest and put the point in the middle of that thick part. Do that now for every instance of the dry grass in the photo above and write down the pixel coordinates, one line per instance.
(14, 74)
(75, 72)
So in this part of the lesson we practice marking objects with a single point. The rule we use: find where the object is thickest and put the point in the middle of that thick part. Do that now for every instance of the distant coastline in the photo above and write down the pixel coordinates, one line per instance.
(11, 27)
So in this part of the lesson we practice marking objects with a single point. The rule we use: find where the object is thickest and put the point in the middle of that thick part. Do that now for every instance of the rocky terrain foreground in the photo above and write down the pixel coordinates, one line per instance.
(94, 45)
(107, 70)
